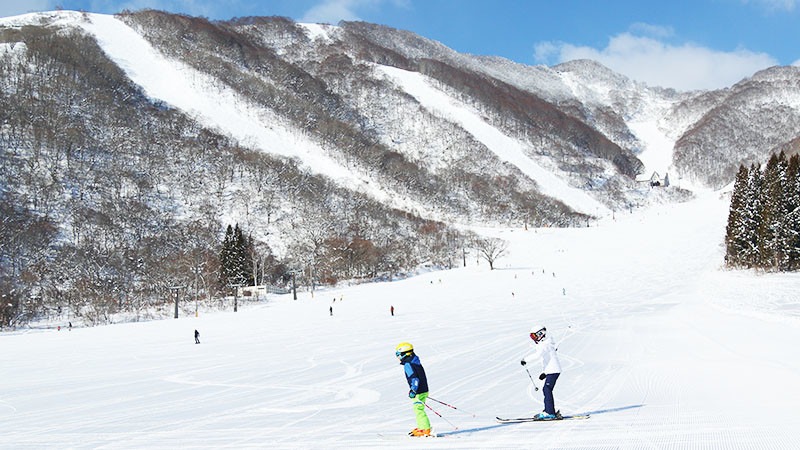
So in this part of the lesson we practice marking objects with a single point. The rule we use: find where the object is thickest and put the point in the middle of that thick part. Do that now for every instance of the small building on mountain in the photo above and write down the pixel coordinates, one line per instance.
(654, 180)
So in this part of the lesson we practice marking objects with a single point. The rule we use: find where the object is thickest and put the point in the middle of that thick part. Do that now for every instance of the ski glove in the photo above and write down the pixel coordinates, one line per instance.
(412, 394)
(523, 362)
(542, 376)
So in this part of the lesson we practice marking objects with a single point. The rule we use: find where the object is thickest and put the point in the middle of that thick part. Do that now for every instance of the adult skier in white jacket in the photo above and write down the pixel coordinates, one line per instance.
(545, 349)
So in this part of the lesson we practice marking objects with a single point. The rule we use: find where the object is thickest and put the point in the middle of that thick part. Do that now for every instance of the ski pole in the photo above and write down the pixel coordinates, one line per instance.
(440, 416)
(536, 388)
(451, 406)
(566, 335)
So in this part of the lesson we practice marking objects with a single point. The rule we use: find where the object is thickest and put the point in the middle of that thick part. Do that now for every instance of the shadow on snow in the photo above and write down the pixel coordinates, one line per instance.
(500, 425)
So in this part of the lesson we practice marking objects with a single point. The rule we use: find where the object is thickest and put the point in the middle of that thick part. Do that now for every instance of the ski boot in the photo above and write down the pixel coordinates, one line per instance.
(544, 415)
(416, 432)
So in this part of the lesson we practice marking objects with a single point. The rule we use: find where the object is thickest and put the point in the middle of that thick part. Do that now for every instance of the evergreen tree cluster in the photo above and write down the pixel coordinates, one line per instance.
(764, 222)
(236, 261)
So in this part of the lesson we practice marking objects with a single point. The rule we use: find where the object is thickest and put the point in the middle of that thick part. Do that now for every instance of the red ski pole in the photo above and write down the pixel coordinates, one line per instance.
(440, 416)
(451, 406)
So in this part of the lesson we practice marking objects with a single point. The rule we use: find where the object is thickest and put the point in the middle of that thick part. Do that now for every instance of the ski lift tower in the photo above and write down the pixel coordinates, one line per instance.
(177, 290)
(236, 287)
(294, 283)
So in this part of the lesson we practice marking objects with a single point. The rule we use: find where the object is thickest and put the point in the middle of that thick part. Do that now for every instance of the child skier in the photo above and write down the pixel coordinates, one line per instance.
(418, 384)
(545, 349)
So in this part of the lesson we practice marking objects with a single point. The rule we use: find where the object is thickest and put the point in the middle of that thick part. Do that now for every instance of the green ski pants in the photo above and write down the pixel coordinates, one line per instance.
(419, 409)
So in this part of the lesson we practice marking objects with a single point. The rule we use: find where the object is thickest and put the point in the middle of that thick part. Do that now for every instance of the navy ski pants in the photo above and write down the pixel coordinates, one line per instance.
(549, 384)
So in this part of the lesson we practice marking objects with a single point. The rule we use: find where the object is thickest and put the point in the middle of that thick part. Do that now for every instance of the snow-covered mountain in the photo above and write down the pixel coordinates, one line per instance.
(586, 127)
(753, 118)
(168, 57)
(347, 151)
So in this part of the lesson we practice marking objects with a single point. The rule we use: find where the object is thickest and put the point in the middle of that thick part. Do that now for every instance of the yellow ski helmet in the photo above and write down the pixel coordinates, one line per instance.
(403, 349)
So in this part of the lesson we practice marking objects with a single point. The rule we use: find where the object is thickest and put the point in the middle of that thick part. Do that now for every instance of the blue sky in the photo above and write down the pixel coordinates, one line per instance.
(697, 44)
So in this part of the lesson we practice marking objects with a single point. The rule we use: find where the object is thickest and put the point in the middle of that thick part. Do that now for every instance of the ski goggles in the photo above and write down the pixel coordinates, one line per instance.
(538, 336)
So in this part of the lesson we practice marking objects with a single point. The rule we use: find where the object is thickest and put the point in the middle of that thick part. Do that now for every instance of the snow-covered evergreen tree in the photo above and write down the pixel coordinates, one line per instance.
(792, 223)
(771, 233)
(242, 262)
(752, 217)
(239, 264)
(779, 192)
(226, 257)
(735, 238)
(764, 219)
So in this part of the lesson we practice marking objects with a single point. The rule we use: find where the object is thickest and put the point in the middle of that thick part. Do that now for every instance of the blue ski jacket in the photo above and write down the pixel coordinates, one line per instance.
(415, 375)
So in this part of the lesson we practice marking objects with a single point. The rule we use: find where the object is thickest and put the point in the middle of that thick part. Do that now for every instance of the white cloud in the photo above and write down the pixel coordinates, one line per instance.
(655, 31)
(776, 5)
(332, 11)
(546, 52)
(796, 63)
(685, 66)
(16, 7)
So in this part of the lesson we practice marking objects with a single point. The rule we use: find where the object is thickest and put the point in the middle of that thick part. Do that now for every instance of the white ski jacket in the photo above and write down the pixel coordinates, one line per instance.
(546, 351)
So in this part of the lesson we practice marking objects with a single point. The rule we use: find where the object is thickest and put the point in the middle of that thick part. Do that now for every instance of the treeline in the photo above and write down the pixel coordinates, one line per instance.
(764, 222)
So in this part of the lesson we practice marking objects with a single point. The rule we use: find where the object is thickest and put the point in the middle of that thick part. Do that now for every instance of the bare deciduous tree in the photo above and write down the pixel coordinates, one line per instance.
(491, 249)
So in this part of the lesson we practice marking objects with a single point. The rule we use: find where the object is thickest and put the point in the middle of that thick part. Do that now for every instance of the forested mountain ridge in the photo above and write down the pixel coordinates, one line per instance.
(130, 143)
(745, 123)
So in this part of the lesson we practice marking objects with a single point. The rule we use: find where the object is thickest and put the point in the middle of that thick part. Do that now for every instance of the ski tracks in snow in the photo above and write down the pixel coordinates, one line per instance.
(644, 349)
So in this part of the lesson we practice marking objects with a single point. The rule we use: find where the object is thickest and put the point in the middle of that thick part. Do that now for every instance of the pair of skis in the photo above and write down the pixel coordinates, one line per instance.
(536, 419)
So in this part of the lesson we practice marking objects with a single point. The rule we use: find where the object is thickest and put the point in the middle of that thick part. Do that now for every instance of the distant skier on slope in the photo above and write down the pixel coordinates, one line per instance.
(545, 349)
(418, 384)
(196, 337)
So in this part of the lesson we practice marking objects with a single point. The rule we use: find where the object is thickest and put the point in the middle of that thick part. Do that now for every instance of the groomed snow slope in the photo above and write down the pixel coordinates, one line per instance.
(505, 147)
(663, 348)
(218, 107)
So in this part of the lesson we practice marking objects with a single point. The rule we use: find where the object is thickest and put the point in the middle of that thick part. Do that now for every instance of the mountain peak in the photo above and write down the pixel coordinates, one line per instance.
(593, 72)
(775, 73)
